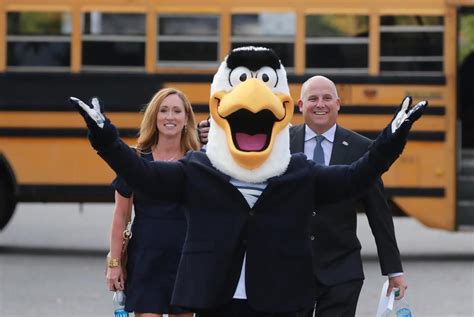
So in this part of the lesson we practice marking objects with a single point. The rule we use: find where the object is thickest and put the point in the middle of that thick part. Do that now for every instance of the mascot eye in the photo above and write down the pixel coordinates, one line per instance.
(239, 75)
(268, 75)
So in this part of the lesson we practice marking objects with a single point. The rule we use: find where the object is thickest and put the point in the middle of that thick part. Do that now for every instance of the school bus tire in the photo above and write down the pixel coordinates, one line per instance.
(7, 206)
(7, 193)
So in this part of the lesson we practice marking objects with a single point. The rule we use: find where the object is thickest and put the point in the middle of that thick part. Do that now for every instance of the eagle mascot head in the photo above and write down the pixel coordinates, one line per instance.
(250, 111)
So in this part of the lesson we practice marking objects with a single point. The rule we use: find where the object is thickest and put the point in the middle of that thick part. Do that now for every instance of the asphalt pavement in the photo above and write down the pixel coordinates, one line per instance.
(52, 264)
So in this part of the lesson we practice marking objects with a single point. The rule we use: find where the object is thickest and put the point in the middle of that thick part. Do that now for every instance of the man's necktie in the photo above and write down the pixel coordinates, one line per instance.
(318, 154)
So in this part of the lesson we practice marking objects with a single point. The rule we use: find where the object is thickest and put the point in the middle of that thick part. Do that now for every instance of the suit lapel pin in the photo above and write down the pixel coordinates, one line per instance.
(345, 143)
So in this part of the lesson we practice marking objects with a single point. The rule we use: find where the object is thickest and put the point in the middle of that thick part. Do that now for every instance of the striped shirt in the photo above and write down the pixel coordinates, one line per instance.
(251, 193)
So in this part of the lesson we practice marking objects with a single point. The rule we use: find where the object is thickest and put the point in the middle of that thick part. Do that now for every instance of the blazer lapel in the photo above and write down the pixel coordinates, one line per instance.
(297, 139)
(203, 162)
(291, 174)
(340, 147)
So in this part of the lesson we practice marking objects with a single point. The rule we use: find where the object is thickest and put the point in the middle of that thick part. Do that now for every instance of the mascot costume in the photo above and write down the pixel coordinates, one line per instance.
(248, 201)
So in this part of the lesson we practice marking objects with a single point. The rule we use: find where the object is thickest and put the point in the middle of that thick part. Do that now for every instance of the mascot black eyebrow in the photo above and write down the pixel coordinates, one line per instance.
(248, 201)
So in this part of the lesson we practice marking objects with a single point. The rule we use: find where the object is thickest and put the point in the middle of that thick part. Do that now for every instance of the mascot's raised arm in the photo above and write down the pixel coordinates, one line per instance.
(248, 201)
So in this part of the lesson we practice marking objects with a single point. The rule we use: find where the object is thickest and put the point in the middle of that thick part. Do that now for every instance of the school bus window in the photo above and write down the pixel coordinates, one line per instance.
(113, 40)
(337, 43)
(273, 30)
(411, 45)
(188, 40)
(38, 40)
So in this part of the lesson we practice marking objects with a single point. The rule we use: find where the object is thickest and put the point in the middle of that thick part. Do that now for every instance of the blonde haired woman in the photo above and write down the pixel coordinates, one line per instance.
(167, 132)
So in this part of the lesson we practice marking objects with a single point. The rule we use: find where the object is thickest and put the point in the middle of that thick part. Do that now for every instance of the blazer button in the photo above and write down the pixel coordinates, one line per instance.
(312, 237)
(314, 213)
(251, 213)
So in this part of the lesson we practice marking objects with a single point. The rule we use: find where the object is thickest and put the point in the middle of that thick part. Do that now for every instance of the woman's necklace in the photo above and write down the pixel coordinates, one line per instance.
(172, 158)
(166, 158)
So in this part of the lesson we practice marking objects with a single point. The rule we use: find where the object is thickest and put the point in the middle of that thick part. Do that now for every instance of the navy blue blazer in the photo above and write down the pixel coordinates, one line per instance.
(222, 226)
(336, 248)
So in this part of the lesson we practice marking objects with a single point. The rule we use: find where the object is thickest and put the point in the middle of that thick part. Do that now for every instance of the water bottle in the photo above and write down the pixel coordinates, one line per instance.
(119, 304)
(401, 307)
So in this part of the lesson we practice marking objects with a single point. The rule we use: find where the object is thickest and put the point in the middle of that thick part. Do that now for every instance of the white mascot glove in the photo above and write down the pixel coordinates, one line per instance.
(391, 141)
(411, 115)
(101, 132)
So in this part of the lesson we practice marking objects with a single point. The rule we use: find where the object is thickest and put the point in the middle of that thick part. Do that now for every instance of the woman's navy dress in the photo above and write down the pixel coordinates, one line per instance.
(158, 229)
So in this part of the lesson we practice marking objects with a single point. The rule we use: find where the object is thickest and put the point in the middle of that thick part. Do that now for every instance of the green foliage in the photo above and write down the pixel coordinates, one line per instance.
(411, 20)
(336, 25)
(466, 36)
(35, 23)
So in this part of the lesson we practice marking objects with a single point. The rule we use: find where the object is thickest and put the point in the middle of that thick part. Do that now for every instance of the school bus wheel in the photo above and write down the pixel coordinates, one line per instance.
(6, 212)
(7, 193)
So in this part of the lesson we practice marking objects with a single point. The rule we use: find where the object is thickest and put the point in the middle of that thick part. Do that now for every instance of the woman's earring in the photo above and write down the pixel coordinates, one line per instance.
(185, 129)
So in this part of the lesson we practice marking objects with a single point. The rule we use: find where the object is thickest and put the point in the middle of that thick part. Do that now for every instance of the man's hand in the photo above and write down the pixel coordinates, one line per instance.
(203, 131)
(397, 282)
(101, 132)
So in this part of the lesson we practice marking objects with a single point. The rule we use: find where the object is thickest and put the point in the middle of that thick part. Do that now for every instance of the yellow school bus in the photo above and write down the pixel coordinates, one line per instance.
(376, 52)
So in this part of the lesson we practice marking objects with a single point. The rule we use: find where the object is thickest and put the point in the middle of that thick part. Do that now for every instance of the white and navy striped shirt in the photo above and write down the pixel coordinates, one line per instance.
(251, 193)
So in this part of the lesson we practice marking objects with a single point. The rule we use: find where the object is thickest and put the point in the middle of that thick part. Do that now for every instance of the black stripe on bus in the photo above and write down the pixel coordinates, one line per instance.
(57, 132)
(207, 78)
(65, 193)
(434, 136)
(66, 107)
(415, 192)
(129, 92)
(104, 193)
(204, 108)
(355, 109)
(373, 80)
(390, 110)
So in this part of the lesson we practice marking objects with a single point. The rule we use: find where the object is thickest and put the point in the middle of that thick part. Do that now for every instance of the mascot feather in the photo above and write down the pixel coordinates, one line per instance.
(240, 248)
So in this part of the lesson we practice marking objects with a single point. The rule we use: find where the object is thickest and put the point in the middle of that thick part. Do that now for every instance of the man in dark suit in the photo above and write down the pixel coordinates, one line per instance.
(337, 262)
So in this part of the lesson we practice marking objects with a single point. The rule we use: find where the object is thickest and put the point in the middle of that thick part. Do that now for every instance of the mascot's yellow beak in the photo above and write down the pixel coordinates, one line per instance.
(251, 116)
